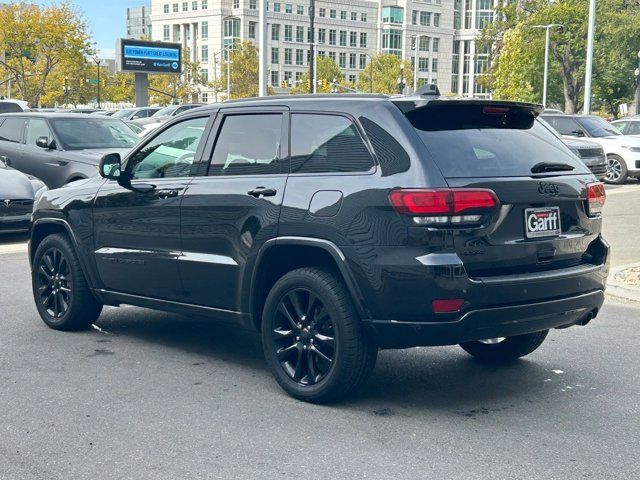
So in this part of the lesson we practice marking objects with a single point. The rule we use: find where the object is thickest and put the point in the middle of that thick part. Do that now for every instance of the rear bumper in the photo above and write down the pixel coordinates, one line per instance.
(492, 322)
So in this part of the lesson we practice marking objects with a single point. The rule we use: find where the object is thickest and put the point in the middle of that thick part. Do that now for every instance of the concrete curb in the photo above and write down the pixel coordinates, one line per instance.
(616, 288)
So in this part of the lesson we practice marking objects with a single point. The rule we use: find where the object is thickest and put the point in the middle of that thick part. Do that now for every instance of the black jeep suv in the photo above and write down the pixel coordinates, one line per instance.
(336, 225)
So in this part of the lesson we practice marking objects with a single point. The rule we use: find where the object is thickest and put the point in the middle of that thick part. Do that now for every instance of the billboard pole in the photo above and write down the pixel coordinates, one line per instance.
(142, 90)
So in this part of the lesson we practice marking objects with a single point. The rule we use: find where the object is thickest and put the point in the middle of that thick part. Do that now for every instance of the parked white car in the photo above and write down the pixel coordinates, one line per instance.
(623, 151)
(628, 126)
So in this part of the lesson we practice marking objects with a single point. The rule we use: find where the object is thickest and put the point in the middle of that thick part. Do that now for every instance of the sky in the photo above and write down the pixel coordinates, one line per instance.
(106, 19)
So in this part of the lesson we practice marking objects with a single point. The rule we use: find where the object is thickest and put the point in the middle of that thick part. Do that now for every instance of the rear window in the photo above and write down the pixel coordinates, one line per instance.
(488, 141)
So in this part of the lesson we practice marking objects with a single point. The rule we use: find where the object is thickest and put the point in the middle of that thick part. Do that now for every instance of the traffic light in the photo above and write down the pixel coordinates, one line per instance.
(104, 83)
(82, 81)
(124, 83)
(308, 84)
(324, 83)
(283, 84)
(65, 82)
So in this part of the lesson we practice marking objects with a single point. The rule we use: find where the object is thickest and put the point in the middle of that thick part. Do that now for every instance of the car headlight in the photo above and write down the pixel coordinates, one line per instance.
(632, 149)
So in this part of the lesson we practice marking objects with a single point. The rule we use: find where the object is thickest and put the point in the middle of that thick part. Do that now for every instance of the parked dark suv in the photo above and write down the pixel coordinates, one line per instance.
(336, 225)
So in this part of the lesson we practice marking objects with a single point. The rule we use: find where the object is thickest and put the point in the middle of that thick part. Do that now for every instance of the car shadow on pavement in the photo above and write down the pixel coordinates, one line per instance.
(441, 378)
(9, 238)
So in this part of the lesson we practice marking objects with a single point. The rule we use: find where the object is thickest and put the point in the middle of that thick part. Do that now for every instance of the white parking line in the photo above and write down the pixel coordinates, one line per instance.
(13, 248)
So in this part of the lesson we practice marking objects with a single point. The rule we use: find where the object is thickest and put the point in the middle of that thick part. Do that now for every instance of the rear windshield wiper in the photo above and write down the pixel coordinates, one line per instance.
(544, 167)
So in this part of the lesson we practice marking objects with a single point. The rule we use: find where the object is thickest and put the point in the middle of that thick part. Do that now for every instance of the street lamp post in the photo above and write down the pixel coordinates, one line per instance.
(98, 61)
(589, 65)
(415, 62)
(546, 56)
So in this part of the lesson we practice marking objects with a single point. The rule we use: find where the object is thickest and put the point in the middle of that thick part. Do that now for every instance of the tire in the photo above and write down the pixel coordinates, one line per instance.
(507, 350)
(298, 338)
(617, 172)
(57, 281)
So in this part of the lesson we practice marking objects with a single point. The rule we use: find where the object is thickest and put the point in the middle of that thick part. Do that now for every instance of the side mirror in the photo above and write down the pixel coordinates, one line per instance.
(110, 166)
(43, 142)
(577, 133)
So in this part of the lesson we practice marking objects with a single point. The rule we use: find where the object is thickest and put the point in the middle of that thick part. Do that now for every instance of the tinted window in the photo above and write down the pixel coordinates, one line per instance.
(123, 113)
(11, 129)
(563, 125)
(497, 152)
(36, 128)
(327, 143)
(598, 127)
(634, 128)
(171, 153)
(10, 107)
(81, 133)
(248, 145)
(392, 156)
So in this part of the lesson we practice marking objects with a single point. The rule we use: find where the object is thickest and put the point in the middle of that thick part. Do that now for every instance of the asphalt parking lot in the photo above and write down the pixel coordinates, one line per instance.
(149, 395)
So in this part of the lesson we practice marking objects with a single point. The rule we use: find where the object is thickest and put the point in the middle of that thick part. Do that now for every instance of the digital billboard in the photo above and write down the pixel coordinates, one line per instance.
(148, 57)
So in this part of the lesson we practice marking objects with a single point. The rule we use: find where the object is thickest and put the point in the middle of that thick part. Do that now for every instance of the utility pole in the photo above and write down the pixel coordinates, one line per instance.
(312, 41)
(546, 56)
(636, 95)
(229, 72)
(589, 66)
(262, 54)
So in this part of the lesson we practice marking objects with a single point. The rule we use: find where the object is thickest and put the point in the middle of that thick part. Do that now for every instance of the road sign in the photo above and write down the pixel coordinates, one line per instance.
(92, 81)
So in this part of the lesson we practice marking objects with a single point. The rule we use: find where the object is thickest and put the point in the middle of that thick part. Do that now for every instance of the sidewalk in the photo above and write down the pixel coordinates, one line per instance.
(624, 282)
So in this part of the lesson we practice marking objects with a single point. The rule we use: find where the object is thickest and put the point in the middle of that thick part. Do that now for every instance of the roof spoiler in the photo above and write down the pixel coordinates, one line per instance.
(409, 104)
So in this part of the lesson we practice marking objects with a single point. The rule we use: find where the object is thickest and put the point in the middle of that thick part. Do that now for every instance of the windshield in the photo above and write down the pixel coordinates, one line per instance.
(165, 111)
(123, 113)
(82, 133)
(464, 144)
(598, 127)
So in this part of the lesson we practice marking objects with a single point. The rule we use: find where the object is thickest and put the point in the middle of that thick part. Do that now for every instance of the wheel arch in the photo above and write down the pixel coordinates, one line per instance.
(44, 227)
(284, 254)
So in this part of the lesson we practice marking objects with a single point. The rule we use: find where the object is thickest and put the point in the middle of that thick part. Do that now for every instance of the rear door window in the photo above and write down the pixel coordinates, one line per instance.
(633, 129)
(248, 144)
(327, 144)
(11, 130)
(564, 125)
(468, 142)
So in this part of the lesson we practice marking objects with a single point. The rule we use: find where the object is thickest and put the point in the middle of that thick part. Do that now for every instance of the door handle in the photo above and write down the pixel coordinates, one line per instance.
(62, 163)
(262, 192)
(164, 194)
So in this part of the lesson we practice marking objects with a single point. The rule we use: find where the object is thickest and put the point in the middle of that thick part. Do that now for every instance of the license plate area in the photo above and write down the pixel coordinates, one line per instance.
(542, 222)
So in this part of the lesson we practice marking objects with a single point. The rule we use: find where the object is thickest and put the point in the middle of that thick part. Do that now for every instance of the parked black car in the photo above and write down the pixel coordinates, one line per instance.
(17, 193)
(59, 148)
(336, 225)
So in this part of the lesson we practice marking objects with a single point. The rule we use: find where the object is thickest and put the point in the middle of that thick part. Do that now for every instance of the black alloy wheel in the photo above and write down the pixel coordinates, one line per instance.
(304, 337)
(60, 290)
(312, 337)
(54, 283)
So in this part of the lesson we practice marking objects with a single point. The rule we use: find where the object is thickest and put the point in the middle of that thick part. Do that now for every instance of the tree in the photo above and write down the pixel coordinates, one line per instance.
(510, 82)
(244, 71)
(37, 40)
(328, 70)
(184, 86)
(615, 48)
(386, 69)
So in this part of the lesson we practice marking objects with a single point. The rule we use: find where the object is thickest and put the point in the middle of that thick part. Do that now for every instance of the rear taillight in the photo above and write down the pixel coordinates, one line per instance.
(596, 196)
(445, 206)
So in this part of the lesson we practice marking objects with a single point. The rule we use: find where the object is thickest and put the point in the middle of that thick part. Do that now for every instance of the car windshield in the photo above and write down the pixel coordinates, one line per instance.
(123, 113)
(165, 111)
(598, 127)
(82, 133)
